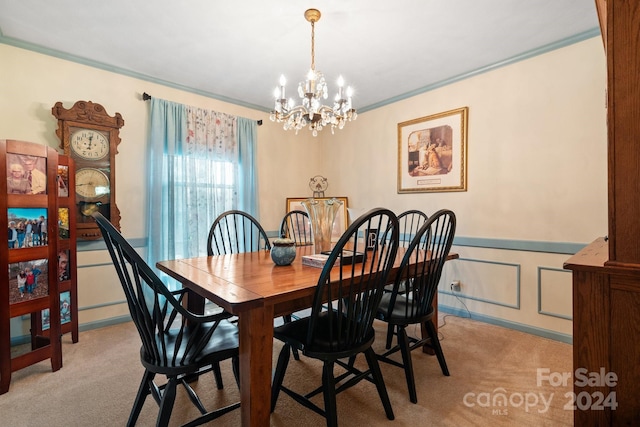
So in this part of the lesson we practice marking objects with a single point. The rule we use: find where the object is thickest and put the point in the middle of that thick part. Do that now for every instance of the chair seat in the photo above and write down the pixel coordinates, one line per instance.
(323, 346)
(223, 344)
(399, 315)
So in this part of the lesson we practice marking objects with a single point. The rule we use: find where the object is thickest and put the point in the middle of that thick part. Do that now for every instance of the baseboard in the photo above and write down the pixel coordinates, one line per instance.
(545, 333)
(24, 339)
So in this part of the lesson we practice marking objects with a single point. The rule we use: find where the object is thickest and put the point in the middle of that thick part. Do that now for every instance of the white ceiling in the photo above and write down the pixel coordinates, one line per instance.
(236, 50)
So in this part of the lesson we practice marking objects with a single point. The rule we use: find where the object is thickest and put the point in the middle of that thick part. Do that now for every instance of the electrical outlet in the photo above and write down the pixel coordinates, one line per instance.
(455, 286)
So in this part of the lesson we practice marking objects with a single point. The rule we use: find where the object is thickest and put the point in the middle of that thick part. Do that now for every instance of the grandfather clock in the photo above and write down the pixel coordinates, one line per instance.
(90, 137)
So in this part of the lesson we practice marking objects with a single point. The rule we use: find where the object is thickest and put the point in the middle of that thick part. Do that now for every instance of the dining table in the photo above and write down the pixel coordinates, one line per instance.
(252, 287)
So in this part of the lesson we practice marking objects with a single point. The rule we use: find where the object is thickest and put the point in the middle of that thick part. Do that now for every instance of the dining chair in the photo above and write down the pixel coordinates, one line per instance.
(409, 222)
(343, 328)
(234, 232)
(295, 225)
(414, 287)
(180, 349)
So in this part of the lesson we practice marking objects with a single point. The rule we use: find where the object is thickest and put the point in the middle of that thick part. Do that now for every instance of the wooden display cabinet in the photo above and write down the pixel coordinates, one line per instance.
(67, 258)
(29, 207)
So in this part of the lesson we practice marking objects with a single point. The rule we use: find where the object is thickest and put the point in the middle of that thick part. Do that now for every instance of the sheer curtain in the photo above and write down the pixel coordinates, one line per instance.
(201, 163)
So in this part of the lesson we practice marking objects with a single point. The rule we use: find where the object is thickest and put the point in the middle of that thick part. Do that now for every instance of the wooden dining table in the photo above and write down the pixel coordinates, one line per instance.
(250, 286)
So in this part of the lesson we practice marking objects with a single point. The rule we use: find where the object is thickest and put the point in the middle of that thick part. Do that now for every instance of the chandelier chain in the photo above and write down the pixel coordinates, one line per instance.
(313, 46)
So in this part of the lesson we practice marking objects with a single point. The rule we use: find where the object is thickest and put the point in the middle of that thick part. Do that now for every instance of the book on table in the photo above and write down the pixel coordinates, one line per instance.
(347, 258)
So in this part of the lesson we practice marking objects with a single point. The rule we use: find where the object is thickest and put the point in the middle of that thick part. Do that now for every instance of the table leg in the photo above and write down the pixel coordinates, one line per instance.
(256, 353)
(195, 302)
(426, 348)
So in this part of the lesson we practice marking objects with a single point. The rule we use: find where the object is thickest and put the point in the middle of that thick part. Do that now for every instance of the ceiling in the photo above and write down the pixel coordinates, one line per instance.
(236, 50)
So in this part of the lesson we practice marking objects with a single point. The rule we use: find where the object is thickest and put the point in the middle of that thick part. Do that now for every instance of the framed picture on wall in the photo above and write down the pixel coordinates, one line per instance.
(340, 223)
(432, 153)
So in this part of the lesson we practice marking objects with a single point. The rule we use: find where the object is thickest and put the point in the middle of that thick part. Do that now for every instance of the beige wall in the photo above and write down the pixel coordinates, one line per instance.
(536, 167)
(31, 83)
(537, 171)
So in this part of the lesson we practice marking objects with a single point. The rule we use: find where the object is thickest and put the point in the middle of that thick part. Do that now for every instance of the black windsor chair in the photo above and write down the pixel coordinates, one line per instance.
(344, 328)
(414, 288)
(295, 225)
(234, 232)
(180, 349)
(409, 222)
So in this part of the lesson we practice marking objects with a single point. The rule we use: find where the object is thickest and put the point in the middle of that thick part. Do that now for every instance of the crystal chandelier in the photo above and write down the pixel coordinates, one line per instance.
(312, 92)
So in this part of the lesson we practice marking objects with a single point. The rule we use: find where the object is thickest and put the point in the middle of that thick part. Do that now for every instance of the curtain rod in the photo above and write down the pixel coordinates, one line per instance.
(146, 97)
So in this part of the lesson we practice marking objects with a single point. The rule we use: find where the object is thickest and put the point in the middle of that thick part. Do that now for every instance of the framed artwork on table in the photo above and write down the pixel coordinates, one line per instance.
(432, 153)
(340, 223)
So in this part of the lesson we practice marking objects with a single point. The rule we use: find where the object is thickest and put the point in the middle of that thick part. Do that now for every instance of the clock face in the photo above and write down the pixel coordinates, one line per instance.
(89, 144)
(92, 184)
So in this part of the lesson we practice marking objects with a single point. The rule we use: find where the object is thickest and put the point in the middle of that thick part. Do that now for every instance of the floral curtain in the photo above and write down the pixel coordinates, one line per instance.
(201, 164)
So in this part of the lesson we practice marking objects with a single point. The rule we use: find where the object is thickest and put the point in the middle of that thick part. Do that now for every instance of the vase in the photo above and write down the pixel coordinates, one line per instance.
(322, 214)
(283, 251)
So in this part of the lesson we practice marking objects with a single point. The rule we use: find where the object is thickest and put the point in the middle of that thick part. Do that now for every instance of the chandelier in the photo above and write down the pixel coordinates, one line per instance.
(311, 110)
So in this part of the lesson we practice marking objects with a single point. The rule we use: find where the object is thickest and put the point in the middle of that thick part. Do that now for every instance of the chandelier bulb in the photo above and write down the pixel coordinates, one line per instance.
(349, 91)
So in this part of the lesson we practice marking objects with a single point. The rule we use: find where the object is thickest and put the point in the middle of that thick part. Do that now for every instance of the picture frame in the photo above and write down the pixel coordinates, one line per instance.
(65, 311)
(62, 181)
(340, 223)
(26, 174)
(432, 153)
(64, 270)
(27, 227)
(28, 280)
(64, 231)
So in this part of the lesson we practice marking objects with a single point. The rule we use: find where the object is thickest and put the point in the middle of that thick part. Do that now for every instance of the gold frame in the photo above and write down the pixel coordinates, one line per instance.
(342, 218)
(446, 170)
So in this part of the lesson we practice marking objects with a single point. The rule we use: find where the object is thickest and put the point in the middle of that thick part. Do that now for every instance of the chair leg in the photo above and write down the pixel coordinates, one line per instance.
(329, 388)
(287, 318)
(235, 367)
(390, 330)
(143, 391)
(218, 375)
(435, 343)
(166, 405)
(278, 376)
(403, 342)
(376, 373)
(193, 396)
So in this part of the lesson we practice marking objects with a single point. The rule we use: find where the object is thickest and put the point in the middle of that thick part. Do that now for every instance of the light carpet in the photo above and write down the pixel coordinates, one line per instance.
(494, 381)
